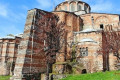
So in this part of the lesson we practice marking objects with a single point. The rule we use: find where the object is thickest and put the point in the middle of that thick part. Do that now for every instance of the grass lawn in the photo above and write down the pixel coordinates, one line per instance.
(112, 75)
(4, 77)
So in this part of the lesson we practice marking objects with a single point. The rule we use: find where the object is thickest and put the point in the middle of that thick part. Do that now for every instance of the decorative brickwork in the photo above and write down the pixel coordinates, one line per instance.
(8, 54)
(82, 42)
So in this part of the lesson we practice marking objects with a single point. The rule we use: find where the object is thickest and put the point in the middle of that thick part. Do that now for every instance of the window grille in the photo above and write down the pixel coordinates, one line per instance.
(72, 8)
(85, 8)
(79, 7)
(84, 51)
(65, 8)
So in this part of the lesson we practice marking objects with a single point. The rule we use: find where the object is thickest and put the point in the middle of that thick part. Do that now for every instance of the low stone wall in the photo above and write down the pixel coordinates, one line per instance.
(58, 76)
(4, 69)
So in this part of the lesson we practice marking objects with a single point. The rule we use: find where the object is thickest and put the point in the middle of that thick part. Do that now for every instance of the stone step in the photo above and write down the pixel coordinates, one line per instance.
(59, 76)
(118, 65)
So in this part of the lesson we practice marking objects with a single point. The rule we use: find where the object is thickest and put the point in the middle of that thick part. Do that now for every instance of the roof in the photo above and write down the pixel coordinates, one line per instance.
(87, 31)
(66, 12)
(87, 40)
(8, 37)
(12, 37)
(73, 1)
(19, 35)
(100, 13)
(118, 64)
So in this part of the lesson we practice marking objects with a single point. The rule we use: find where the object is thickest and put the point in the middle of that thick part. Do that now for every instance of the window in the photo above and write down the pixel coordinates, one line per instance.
(0, 47)
(16, 45)
(60, 8)
(79, 7)
(115, 54)
(72, 8)
(84, 51)
(101, 26)
(85, 8)
(65, 8)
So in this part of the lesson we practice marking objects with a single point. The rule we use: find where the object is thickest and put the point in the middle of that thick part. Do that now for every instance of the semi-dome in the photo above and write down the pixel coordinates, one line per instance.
(77, 6)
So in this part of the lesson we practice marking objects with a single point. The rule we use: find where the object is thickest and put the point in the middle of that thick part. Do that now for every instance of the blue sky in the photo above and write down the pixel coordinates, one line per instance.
(13, 12)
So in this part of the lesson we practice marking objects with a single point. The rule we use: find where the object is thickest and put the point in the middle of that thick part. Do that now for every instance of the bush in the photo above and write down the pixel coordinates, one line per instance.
(4, 77)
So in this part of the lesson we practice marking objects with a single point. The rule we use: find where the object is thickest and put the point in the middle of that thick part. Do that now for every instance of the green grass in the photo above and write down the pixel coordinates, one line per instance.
(4, 77)
(113, 75)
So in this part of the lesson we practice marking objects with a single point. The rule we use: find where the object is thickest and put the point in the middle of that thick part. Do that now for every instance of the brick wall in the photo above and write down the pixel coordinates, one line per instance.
(8, 51)
(93, 61)
(30, 58)
(99, 18)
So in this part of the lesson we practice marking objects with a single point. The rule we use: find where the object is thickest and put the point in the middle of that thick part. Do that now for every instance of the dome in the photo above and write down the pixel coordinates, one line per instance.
(77, 6)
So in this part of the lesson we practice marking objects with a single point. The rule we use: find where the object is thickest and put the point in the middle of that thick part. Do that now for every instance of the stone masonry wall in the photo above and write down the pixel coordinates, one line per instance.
(30, 58)
(98, 18)
(72, 23)
(94, 61)
(8, 51)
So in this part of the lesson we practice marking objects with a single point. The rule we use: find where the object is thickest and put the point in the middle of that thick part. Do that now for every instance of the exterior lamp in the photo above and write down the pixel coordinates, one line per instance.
(45, 48)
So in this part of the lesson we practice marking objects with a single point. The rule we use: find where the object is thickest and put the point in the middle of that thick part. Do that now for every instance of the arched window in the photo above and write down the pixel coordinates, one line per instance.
(65, 8)
(84, 51)
(79, 7)
(85, 8)
(0, 50)
(72, 8)
(60, 8)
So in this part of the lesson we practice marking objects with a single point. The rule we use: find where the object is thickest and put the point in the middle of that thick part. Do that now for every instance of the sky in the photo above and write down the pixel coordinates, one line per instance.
(13, 13)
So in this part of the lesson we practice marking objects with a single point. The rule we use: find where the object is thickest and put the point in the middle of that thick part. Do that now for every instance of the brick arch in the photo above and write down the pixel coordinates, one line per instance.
(102, 19)
(79, 4)
(72, 2)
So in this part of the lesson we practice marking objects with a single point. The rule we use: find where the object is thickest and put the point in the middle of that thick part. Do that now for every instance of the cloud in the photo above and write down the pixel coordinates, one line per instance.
(3, 10)
(11, 29)
(12, 21)
(7, 13)
(44, 4)
(118, 10)
(24, 7)
(58, 1)
(101, 5)
(16, 17)
(48, 5)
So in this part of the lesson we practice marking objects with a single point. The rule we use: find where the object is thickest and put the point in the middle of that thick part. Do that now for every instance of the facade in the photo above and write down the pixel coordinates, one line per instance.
(89, 37)
(8, 53)
(84, 30)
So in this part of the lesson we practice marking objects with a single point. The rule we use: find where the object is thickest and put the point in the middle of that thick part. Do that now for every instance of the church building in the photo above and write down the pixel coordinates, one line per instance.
(84, 34)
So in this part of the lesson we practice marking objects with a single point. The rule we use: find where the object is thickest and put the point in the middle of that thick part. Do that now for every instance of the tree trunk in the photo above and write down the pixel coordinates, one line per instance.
(65, 48)
(47, 73)
(117, 55)
(105, 62)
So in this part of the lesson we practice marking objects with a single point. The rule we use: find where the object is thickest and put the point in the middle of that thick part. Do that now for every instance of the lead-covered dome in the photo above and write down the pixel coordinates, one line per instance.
(77, 6)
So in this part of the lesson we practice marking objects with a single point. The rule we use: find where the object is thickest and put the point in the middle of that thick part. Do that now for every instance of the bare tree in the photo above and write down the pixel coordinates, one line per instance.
(114, 41)
(52, 36)
(110, 44)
